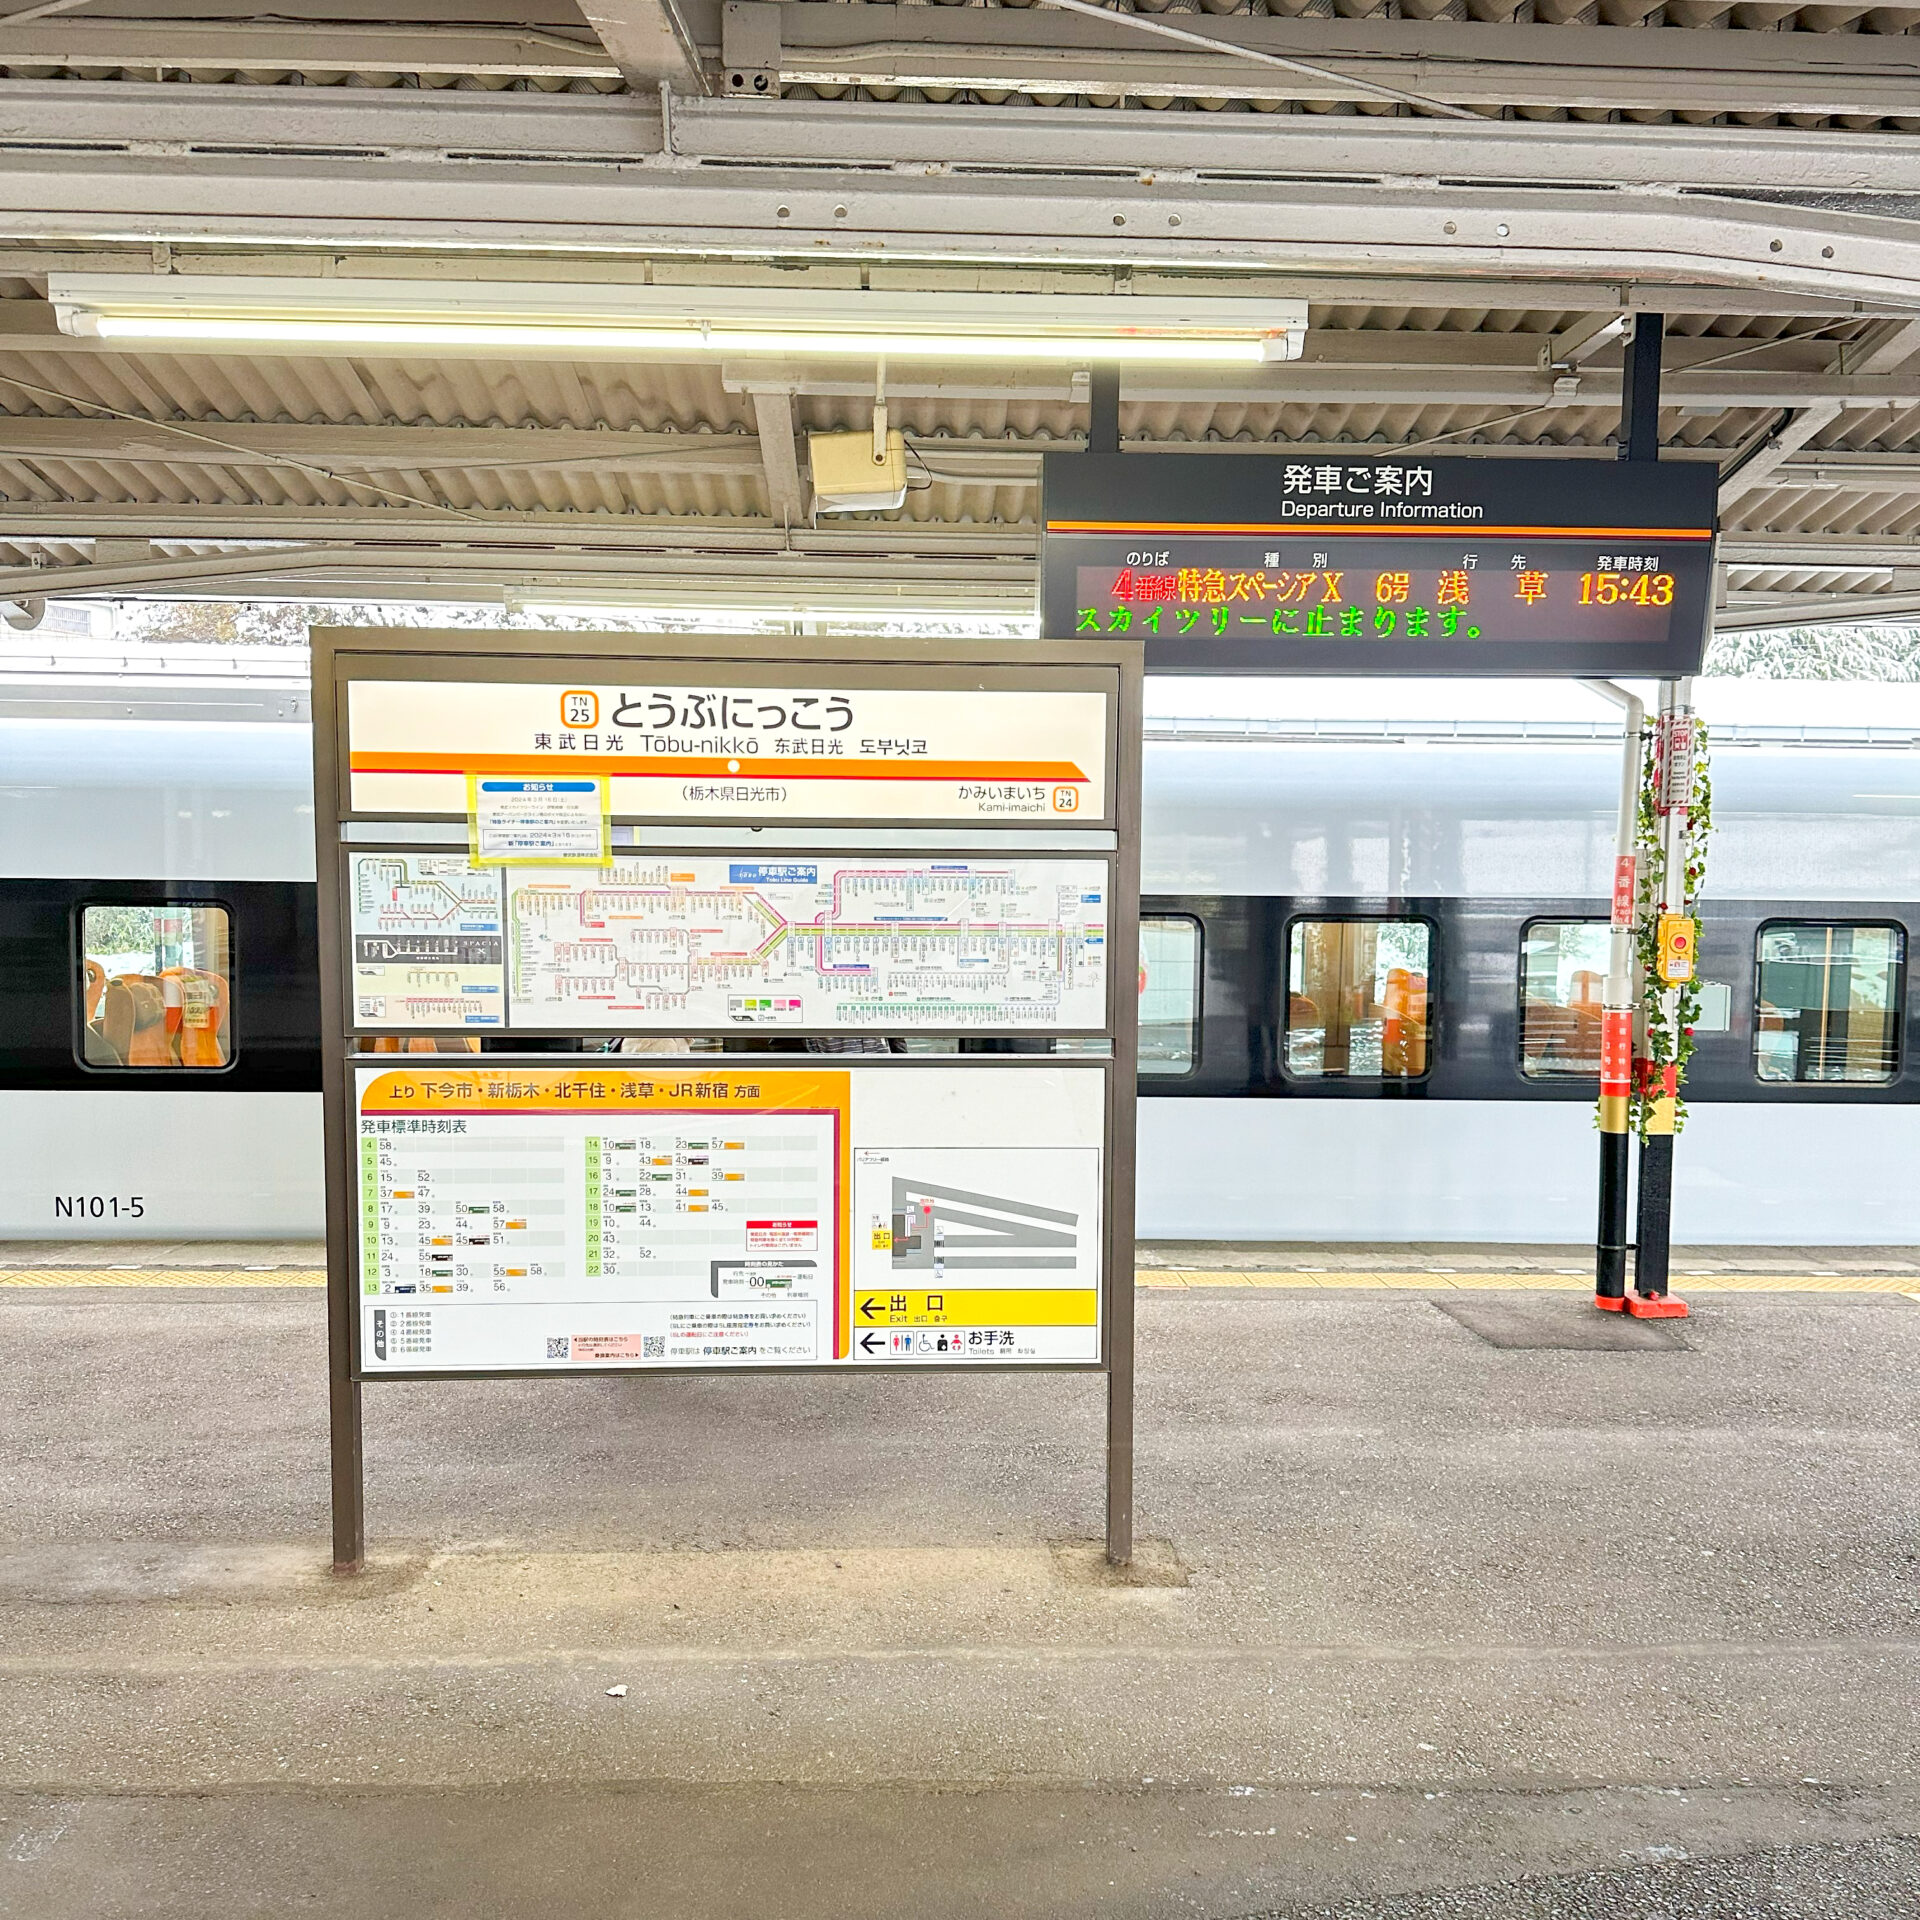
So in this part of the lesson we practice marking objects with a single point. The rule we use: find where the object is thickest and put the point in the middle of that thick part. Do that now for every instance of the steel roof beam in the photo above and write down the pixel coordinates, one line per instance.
(254, 46)
(1758, 471)
(434, 451)
(1547, 237)
(1044, 52)
(1463, 63)
(563, 539)
(491, 128)
(767, 578)
(653, 42)
(780, 455)
(363, 449)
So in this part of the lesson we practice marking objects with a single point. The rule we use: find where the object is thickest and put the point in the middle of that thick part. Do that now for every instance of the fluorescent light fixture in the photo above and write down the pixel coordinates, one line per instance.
(413, 335)
(600, 319)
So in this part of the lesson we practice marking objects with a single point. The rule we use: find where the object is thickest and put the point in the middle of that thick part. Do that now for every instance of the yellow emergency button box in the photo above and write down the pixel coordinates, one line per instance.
(1678, 936)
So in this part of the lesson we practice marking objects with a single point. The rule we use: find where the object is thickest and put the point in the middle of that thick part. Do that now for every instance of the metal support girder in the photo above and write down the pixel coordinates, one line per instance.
(1583, 340)
(1044, 52)
(563, 540)
(1640, 390)
(155, 45)
(652, 42)
(1103, 411)
(1461, 62)
(1304, 383)
(1817, 552)
(365, 449)
(1573, 241)
(560, 538)
(779, 455)
(622, 130)
(1825, 609)
(1897, 342)
(767, 576)
(1765, 464)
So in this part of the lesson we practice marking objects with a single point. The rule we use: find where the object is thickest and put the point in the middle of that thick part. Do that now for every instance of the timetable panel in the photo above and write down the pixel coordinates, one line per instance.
(530, 1218)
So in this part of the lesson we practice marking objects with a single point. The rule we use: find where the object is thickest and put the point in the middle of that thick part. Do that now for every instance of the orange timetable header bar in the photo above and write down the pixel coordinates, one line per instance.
(601, 1089)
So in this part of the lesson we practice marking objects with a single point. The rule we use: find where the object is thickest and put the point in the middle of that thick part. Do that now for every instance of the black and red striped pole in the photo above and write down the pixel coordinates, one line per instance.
(1676, 941)
(1616, 1018)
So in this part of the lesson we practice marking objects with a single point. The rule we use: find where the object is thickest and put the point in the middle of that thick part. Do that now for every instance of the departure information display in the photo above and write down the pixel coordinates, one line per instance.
(1261, 563)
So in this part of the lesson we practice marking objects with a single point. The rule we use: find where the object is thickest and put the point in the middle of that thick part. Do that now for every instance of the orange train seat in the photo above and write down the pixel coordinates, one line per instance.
(196, 1003)
(133, 1020)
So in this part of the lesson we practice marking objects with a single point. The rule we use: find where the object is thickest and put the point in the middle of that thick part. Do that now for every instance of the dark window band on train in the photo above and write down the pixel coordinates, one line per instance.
(1277, 997)
(209, 986)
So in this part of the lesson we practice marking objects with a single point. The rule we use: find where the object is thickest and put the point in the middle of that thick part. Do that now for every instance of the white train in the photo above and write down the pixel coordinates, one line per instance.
(1371, 919)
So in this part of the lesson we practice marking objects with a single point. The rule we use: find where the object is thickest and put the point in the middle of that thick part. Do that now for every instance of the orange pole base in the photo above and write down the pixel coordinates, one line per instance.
(1655, 1306)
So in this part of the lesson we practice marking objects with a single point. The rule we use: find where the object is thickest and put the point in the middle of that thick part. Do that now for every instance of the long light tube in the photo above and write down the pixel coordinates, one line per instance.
(1188, 349)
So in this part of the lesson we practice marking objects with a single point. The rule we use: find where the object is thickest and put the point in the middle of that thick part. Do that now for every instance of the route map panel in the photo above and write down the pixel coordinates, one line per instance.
(428, 947)
(520, 1217)
(668, 941)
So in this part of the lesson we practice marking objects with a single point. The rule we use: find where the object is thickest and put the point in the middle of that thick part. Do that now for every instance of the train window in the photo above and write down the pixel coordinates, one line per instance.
(1563, 969)
(156, 986)
(1827, 1001)
(1169, 994)
(1357, 999)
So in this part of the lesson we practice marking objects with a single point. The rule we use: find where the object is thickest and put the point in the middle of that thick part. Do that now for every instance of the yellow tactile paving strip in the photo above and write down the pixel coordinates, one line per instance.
(162, 1277)
(1417, 1282)
(1173, 1278)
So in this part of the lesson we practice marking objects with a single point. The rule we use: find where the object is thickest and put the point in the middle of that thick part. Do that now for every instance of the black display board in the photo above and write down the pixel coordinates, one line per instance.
(1284, 563)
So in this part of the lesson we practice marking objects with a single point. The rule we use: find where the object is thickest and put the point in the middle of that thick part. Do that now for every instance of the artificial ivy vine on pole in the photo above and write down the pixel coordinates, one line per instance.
(1668, 1040)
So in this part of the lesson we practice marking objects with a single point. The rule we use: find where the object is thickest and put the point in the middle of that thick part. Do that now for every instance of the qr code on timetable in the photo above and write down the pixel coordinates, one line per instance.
(653, 1346)
(558, 1348)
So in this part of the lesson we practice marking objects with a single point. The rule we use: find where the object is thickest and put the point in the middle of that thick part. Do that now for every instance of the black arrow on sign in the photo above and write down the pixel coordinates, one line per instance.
(869, 1340)
(869, 1307)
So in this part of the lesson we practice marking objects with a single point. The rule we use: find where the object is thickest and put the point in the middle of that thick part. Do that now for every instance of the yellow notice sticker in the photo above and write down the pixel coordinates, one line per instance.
(522, 822)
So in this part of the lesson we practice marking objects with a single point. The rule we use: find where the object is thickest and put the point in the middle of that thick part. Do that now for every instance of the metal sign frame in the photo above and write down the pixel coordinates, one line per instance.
(342, 656)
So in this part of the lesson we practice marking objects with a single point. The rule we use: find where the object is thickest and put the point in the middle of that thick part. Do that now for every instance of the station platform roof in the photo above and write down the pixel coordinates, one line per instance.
(1469, 198)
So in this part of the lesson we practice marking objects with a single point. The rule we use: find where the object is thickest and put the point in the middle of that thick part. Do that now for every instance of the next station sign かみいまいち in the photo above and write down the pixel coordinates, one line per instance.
(1260, 563)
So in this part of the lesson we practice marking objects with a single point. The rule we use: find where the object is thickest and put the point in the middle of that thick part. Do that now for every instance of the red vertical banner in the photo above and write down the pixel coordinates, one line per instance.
(1623, 890)
(1616, 1053)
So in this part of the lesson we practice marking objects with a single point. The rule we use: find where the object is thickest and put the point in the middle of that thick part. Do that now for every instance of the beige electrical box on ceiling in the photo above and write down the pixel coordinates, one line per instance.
(848, 479)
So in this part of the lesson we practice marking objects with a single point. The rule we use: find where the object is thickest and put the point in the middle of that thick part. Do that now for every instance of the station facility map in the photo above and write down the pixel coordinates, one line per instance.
(662, 942)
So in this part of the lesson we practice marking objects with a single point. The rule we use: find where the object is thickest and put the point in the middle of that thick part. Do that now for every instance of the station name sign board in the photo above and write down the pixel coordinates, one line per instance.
(748, 752)
(1278, 563)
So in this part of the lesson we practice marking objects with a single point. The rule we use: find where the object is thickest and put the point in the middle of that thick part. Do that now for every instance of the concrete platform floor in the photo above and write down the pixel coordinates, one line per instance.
(1446, 1609)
